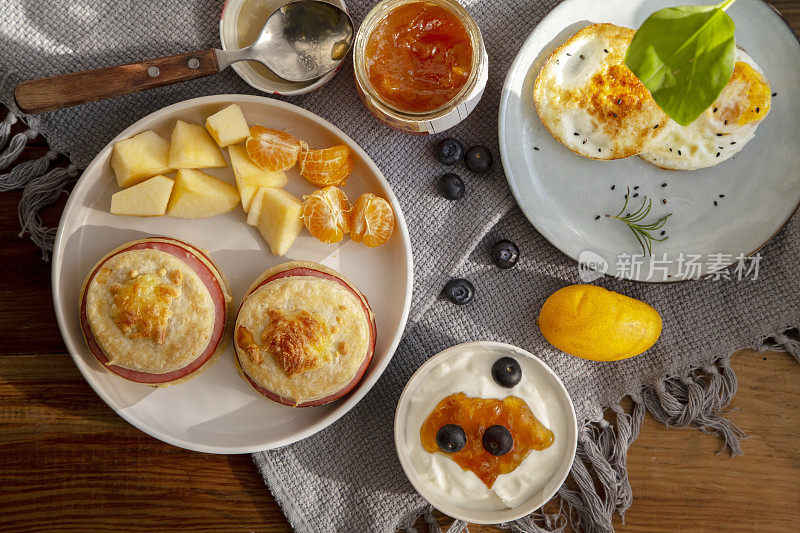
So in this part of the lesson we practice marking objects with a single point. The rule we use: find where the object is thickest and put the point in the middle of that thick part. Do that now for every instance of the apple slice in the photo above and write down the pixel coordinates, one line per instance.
(140, 157)
(192, 147)
(255, 207)
(198, 195)
(228, 126)
(146, 199)
(278, 218)
(250, 177)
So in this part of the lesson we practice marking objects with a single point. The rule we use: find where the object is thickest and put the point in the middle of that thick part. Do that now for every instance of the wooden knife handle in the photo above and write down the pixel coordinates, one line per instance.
(47, 94)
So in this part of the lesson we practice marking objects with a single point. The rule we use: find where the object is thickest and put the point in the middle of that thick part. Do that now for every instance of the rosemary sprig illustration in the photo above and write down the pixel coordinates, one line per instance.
(635, 221)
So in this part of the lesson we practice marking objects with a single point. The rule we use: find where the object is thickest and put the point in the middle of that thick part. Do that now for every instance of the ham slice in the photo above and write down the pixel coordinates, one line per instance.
(187, 254)
(305, 271)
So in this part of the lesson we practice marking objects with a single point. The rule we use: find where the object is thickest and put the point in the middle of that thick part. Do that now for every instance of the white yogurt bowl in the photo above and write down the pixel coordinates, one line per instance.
(239, 18)
(460, 493)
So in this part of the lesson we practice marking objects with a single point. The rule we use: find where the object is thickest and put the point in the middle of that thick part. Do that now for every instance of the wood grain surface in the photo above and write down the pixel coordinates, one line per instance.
(57, 92)
(68, 462)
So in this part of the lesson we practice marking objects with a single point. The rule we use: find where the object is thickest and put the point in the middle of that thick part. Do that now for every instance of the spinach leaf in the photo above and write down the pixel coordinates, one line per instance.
(684, 56)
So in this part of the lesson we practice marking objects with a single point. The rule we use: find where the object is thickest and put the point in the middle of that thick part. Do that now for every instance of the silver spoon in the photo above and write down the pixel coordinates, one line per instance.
(301, 41)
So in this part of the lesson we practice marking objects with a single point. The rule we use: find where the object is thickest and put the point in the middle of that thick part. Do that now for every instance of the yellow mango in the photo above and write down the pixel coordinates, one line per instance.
(594, 323)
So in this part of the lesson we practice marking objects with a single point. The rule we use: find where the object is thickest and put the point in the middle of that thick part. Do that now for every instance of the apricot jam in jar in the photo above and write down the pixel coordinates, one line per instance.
(420, 65)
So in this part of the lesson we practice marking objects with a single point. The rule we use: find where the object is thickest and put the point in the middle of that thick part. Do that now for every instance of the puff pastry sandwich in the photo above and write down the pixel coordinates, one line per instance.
(304, 335)
(154, 311)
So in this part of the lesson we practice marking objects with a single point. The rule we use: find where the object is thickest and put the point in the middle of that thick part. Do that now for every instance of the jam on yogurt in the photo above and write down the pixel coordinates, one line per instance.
(418, 57)
(460, 400)
(474, 416)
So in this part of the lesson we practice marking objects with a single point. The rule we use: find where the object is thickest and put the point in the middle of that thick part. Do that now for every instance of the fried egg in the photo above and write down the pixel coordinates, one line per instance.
(723, 129)
(591, 102)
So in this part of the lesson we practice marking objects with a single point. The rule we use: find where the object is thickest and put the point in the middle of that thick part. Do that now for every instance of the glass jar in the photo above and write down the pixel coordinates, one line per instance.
(428, 122)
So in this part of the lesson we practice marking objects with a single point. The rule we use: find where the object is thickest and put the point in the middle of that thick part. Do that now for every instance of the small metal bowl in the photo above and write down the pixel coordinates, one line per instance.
(255, 74)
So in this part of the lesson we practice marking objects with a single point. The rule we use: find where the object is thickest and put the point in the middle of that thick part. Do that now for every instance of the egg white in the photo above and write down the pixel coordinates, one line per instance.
(591, 102)
(706, 142)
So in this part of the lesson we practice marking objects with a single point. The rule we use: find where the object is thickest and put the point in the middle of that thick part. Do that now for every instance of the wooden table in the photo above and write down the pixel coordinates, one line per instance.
(67, 461)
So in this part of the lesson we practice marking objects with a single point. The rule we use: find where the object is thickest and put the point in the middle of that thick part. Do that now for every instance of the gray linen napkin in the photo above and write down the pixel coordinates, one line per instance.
(347, 477)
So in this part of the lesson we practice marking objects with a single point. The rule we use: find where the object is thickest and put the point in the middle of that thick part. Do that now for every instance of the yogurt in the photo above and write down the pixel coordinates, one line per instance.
(469, 371)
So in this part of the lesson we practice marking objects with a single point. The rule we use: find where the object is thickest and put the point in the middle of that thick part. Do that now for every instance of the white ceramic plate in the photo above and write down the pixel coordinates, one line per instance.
(561, 193)
(218, 412)
(562, 421)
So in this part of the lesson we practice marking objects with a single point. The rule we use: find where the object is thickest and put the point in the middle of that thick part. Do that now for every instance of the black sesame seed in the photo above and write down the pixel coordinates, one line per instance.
(613, 187)
(758, 109)
(726, 123)
(636, 188)
(576, 134)
(615, 115)
(663, 184)
(619, 102)
(655, 127)
(670, 149)
(719, 134)
(679, 152)
(597, 217)
(715, 203)
(599, 149)
(569, 55)
(556, 61)
(606, 51)
(717, 155)
(733, 142)
(635, 194)
(722, 196)
(774, 94)
(663, 232)
(663, 200)
(536, 148)
(582, 57)
(584, 141)
(715, 110)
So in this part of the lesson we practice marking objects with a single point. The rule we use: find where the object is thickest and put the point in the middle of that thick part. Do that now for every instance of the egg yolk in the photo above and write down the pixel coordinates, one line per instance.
(475, 415)
(418, 57)
(746, 98)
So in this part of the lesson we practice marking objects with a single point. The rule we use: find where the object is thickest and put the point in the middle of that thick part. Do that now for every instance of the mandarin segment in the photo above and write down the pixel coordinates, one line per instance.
(326, 214)
(273, 150)
(327, 166)
(336, 177)
(373, 220)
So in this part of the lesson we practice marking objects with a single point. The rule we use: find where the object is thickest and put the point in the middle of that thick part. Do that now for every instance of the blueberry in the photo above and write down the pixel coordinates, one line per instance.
(451, 186)
(506, 372)
(451, 438)
(449, 151)
(505, 254)
(478, 159)
(497, 440)
(459, 291)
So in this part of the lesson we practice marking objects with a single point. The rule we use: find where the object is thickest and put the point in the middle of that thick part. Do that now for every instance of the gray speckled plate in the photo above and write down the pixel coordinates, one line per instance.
(562, 193)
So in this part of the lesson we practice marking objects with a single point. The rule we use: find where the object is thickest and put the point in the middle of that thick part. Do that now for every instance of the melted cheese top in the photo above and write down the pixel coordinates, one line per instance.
(149, 311)
(302, 337)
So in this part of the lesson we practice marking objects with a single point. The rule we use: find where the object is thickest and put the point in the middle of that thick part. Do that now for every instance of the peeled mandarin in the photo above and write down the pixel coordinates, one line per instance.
(594, 323)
